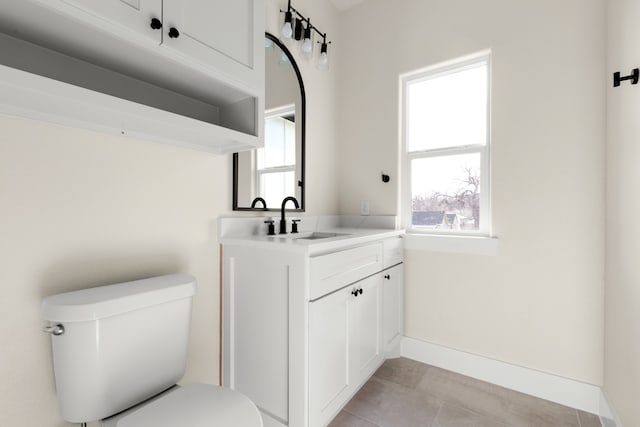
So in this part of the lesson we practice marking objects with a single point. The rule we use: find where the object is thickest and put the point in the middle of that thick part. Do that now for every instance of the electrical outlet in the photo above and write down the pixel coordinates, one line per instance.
(364, 207)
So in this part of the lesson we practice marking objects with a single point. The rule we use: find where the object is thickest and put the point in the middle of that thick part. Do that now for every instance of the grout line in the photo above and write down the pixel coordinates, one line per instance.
(361, 418)
(434, 423)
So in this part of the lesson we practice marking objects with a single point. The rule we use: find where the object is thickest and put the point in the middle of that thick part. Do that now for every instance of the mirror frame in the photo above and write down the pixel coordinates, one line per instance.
(301, 119)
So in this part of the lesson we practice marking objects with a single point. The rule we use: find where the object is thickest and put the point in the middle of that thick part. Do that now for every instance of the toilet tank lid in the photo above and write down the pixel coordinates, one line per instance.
(104, 301)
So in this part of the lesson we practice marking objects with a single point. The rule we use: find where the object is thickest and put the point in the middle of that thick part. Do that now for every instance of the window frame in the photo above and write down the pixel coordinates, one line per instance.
(406, 210)
(259, 173)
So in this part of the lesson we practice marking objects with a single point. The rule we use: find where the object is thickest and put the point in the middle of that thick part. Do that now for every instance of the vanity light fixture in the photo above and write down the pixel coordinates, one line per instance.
(303, 33)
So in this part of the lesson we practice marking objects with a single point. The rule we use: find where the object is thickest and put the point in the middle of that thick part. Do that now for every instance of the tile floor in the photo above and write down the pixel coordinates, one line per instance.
(406, 393)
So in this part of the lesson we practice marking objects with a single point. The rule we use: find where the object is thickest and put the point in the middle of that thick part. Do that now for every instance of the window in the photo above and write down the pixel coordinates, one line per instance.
(445, 115)
(276, 161)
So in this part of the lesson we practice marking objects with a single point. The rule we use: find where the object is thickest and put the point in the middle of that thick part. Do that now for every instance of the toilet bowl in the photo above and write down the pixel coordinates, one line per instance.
(119, 350)
(192, 405)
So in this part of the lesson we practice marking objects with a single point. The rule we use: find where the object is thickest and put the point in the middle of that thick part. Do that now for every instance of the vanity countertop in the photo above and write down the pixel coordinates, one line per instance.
(345, 237)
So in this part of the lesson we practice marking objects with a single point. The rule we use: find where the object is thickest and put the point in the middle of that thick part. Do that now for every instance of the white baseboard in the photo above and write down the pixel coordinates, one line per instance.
(565, 391)
(392, 349)
(608, 416)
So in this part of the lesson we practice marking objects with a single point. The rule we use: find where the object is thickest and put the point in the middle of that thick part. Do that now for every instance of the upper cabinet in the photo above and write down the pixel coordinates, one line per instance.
(133, 15)
(221, 36)
(227, 39)
(194, 69)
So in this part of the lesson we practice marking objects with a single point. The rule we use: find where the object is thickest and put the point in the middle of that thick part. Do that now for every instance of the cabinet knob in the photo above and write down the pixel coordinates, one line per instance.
(354, 292)
(361, 291)
(174, 33)
(156, 24)
(388, 277)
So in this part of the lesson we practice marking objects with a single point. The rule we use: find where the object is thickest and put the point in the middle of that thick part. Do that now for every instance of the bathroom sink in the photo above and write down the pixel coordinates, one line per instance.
(315, 235)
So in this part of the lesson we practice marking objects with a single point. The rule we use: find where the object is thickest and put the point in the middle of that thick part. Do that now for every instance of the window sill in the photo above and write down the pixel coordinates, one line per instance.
(469, 245)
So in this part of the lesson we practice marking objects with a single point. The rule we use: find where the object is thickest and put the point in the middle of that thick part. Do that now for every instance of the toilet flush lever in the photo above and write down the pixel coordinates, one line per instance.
(54, 329)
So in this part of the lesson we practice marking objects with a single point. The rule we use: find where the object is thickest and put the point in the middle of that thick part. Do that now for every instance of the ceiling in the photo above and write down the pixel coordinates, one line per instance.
(345, 4)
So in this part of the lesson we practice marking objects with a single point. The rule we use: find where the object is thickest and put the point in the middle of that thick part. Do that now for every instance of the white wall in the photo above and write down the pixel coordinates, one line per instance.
(322, 180)
(622, 325)
(539, 303)
(81, 209)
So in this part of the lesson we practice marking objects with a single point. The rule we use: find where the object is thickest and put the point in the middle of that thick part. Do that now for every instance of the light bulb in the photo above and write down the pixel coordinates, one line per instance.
(307, 46)
(287, 30)
(323, 60)
(306, 50)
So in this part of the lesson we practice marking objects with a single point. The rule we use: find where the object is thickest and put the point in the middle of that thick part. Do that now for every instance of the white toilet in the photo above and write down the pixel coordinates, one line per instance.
(119, 350)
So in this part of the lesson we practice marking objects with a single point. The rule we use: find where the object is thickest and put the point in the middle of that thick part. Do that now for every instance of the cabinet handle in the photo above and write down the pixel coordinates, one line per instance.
(174, 33)
(386, 276)
(156, 24)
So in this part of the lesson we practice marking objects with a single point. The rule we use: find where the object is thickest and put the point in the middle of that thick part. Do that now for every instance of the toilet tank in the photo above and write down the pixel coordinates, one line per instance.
(121, 344)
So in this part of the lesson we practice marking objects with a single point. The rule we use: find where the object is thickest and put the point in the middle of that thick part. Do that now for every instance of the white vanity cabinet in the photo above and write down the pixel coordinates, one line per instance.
(304, 329)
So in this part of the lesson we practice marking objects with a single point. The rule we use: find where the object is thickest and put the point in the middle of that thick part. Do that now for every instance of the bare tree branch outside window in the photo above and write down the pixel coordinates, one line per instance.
(464, 202)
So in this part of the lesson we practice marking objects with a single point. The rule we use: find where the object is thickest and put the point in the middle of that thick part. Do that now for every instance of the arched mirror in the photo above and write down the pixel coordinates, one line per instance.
(275, 171)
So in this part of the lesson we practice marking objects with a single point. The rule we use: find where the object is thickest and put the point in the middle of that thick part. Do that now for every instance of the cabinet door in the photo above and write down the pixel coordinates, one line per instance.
(223, 35)
(328, 355)
(124, 18)
(393, 302)
(364, 329)
(344, 345)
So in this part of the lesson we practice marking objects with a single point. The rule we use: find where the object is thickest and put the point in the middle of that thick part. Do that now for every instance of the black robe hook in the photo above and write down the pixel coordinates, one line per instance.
(634, 76)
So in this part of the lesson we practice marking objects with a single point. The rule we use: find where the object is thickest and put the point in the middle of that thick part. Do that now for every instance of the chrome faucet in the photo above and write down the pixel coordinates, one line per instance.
(283, 221)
